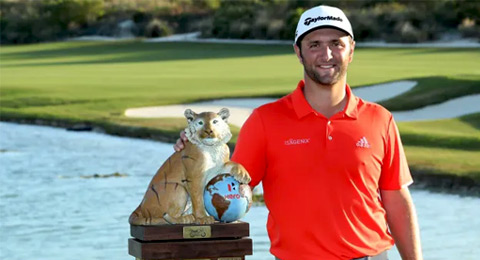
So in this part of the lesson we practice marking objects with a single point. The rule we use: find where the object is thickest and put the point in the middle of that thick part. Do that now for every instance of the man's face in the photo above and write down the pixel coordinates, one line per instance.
(325, 55)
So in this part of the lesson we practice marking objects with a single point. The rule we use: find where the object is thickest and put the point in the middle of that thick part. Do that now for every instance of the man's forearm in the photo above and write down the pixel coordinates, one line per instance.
(403, 224)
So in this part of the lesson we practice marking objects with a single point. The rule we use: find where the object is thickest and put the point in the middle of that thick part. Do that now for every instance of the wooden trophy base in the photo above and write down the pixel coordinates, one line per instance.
(219, 241)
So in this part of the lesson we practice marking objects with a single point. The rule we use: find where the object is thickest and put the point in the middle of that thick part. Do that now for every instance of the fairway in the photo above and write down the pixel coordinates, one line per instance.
(95, 82)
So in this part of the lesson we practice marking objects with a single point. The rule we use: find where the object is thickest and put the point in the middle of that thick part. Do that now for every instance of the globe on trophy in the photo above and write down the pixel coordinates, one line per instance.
(226, 199)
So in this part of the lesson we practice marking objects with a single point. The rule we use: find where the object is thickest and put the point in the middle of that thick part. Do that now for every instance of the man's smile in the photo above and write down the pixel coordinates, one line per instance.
(329, 66)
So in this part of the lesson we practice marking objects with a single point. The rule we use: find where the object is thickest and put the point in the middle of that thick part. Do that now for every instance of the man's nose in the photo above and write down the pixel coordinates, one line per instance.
(325, 53)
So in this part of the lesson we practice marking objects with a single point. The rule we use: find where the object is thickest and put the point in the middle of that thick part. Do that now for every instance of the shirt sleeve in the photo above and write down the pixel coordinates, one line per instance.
(395, 172)
(250, 150)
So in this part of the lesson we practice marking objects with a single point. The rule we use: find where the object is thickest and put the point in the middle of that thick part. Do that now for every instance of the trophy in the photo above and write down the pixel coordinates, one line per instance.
(192, 204)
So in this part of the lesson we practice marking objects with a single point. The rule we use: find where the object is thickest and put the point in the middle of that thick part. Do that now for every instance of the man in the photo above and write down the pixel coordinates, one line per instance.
(332, 165)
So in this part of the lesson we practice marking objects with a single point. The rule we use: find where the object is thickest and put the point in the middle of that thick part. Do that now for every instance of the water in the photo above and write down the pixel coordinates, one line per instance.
(49, 211)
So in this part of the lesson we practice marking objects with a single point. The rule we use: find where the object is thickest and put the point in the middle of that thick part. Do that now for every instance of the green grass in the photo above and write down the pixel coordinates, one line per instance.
(450, 146)
(125, 74)
(96, 81)
(433, 90)
(444, 161)
(460, 133)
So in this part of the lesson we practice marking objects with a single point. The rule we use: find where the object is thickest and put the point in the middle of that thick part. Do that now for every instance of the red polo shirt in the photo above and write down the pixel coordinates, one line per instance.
(321, 177)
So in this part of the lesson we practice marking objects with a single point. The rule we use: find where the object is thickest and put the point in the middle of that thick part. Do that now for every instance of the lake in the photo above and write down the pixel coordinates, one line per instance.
(51, 209)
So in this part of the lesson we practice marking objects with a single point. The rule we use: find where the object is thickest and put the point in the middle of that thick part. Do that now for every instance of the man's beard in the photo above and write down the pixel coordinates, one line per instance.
(324, 80)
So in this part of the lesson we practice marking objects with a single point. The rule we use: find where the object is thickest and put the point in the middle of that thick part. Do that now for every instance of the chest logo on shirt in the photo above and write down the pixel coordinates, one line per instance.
(292, 141)
(363, 142)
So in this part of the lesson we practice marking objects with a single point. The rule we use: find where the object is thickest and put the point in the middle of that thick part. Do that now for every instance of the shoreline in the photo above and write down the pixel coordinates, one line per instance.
(423, 179)
(444, 183)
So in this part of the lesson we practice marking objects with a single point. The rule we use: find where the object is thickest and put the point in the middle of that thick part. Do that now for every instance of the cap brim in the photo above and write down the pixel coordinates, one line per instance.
(299, 39)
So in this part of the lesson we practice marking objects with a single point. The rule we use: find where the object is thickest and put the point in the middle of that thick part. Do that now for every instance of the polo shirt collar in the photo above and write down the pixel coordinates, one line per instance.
(300, 104)
(303, 108)
(350, 109)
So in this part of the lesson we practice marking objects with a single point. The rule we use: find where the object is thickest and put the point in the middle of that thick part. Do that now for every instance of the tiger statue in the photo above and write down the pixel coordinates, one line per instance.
(183, 176)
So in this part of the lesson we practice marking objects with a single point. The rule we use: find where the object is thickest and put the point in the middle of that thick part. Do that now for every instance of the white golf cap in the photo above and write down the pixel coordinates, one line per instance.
(322, 16)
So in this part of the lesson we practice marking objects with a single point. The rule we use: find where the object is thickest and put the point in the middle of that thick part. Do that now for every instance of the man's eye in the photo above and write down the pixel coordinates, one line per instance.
(337, 44)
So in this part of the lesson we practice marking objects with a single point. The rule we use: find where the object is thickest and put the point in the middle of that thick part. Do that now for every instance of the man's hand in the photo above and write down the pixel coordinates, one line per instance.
(180, 144)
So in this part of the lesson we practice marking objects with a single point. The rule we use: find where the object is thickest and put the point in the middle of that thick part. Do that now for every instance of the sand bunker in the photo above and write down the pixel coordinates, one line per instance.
(240, 108)
(450, 109)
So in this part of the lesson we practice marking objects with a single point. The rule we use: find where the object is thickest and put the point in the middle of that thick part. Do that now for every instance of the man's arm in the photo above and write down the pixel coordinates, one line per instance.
(402, 221)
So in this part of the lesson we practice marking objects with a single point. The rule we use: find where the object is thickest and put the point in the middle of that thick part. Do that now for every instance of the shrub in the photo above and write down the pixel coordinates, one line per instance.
(275, 28)
(468, 28)
(157, 28)
(406, 32)
(254, 19)
(365, 24)
(393, 22)
(35, 21)
(260, 24)
(234, 19)
(293, 16)
(24, 21)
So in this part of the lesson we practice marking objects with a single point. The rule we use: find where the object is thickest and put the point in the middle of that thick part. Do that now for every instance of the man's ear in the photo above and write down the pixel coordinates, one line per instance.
(224, 114)
(352, 50)
(298, 52)
(190, 115)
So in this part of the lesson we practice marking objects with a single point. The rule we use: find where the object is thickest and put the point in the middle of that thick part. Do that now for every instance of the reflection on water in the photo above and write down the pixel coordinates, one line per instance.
(48, 211)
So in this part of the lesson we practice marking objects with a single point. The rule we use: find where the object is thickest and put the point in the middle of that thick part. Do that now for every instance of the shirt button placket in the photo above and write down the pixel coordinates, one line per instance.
(329, 130)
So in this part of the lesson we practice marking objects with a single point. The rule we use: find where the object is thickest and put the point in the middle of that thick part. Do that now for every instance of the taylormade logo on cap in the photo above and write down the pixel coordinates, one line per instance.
(310, 20)
(322, 16)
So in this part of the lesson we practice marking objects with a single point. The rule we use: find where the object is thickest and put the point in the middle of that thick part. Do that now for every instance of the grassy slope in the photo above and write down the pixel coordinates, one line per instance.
(450, 146)
(96, 82)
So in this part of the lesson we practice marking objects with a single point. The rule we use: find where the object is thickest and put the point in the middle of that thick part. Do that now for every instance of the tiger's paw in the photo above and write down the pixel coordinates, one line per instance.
(205, 220)
(238, 172)
(241, 175)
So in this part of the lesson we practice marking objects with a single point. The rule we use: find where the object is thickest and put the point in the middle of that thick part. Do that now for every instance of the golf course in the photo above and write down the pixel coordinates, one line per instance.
(92, 83)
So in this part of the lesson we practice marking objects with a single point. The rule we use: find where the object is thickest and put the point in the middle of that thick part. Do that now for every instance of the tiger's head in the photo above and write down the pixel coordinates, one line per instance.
(208, 128)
